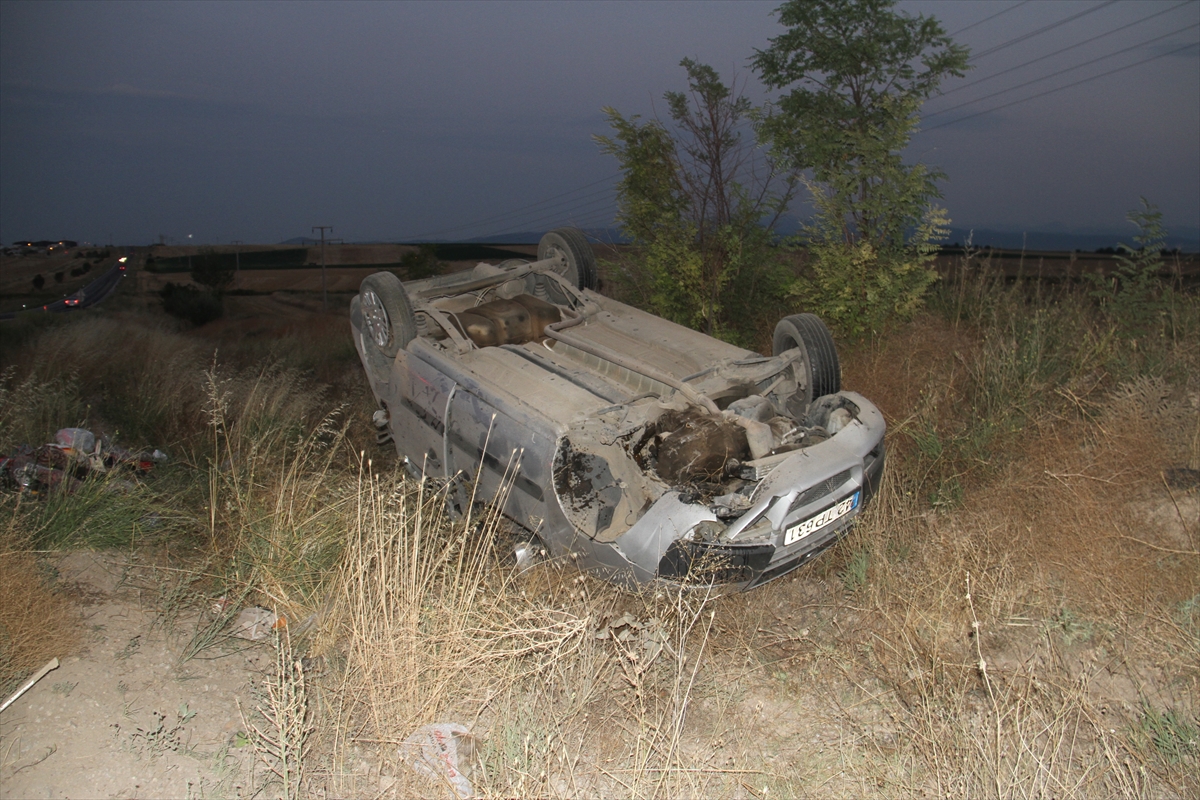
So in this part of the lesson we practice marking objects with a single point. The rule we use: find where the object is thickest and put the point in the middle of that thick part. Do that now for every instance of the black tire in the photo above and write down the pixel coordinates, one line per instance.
(580, 261)
(592, 279)
(387, 320)
(818, 369)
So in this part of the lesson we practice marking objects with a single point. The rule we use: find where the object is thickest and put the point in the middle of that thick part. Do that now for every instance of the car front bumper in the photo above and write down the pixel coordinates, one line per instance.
(801, 509)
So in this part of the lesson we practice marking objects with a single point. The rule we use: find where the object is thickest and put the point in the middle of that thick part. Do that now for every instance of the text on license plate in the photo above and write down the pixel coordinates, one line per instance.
(802, 529)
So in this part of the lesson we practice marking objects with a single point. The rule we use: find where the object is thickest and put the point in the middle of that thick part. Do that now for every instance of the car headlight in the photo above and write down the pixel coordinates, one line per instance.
(708, 530)
(761, 528)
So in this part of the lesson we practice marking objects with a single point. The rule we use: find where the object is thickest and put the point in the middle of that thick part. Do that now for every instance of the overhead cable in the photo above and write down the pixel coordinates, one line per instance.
(1040, 31)
(1118, 29)
(556, 215)
(1068, 86)
(1062, 71)
(517, 211)
(989, 19)
(589, 221)
(534, 218)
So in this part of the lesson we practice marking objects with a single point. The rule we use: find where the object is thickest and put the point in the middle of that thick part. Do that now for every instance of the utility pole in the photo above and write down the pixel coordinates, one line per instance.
(237, 259)
(324, 289)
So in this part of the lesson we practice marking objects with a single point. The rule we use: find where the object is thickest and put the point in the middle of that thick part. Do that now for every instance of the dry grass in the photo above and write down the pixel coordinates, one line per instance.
(37, 622)
(1031, 579)
(1018, 615)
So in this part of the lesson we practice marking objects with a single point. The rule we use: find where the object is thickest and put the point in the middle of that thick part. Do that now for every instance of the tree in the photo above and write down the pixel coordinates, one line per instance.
(214, 270)
(1133, 294)
(421, 263)
(191, 303)
(857, 73)
(700, 199)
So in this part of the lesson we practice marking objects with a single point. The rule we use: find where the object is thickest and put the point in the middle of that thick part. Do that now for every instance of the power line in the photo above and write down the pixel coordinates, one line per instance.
(1065, 49)
(989, 19)
(1062, 71)
(516, 211)
(1068, 86)
(556, 216)
(547, 215)
(591, 220)
(558, 213)
(1040, 31)
(532, 218)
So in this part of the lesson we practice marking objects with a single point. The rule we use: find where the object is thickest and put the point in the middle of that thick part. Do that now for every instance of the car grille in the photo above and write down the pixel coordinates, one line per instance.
(814, 493)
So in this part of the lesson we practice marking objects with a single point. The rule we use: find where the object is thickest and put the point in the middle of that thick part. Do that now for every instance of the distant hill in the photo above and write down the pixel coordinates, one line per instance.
(1049, 237)
(608, 235)
(1186, 240)
(1087, 240)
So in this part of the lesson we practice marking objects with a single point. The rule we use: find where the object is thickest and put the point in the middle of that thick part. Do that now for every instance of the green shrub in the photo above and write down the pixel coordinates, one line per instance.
(857, 287)
(190, 303)
(213, 270)
(421, 263)
(1133, 296)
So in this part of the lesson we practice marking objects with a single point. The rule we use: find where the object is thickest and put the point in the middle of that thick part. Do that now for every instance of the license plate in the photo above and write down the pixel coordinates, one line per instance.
(802, 529)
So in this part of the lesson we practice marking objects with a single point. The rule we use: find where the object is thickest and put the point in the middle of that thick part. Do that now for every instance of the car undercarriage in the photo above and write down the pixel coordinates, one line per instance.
(643, 449)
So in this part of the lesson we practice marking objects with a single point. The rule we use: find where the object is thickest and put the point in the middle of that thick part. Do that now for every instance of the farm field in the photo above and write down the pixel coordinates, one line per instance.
(347, 265)
(1017, 615)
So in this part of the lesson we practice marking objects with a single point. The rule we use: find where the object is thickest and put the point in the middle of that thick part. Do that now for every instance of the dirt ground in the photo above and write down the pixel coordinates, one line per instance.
(124, 717)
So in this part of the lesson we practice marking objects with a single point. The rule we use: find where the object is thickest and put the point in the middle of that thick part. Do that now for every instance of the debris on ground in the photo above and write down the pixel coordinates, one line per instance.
(74, 455)
(631, 633)
(443, 752)
(257, 623)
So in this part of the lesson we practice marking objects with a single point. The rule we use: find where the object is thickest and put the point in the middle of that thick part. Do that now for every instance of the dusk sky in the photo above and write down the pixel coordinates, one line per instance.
(255, 121)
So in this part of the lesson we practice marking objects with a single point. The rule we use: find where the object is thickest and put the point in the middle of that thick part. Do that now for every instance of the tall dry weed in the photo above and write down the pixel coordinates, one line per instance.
(426, 631)
(570, 687)
(1019, 635)
(37, 621)
(137, 381)
(276, 469)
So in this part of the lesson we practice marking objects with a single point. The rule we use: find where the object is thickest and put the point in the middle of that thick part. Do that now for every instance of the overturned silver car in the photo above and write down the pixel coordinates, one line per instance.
(645, 450)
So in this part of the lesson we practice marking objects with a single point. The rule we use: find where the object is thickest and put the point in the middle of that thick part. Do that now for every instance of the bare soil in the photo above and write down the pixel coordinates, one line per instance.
(123, 716)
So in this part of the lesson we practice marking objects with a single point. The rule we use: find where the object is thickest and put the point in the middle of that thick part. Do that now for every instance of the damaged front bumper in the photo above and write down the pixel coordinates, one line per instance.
(799, 509)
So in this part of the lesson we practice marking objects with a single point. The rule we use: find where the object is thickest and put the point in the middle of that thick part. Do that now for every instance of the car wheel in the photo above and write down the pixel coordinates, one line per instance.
(580, 261)
(818, 368)
(388, 322)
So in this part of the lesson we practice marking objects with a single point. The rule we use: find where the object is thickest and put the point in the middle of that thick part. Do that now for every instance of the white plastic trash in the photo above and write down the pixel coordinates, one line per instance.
(78, 439)
(444, 752)
(255, 623)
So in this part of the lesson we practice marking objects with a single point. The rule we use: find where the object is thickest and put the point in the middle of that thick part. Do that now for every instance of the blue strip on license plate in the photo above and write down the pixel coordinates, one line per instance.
(802, 529)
